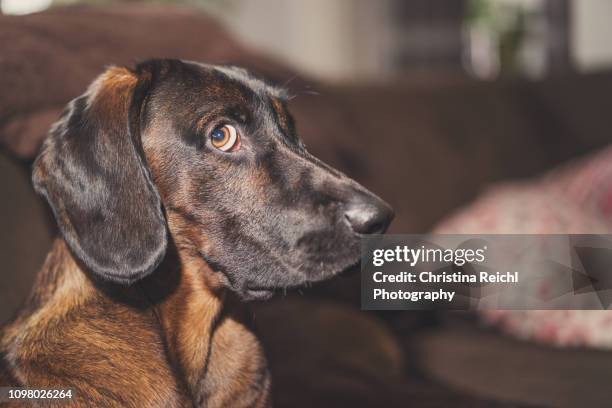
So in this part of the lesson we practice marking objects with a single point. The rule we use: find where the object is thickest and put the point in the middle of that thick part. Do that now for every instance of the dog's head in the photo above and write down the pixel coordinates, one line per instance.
(208, 156)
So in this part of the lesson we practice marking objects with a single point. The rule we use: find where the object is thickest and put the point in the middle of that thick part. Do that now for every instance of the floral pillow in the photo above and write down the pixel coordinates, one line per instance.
(574, 199)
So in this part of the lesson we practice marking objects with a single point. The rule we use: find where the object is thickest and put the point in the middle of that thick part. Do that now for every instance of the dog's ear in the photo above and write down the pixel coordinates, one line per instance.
(93, 173)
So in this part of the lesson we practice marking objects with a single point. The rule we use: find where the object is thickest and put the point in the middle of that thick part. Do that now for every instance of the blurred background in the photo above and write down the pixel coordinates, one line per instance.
(467, 116)
(352, 40)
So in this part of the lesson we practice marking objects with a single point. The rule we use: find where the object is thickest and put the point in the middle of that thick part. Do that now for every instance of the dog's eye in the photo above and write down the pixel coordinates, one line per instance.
(224, 137)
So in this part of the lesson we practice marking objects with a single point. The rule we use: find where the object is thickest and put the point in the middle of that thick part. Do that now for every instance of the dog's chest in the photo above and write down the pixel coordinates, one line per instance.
(109, 354)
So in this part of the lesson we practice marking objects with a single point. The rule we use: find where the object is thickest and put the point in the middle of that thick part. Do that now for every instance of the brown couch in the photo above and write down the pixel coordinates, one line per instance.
(426, 147)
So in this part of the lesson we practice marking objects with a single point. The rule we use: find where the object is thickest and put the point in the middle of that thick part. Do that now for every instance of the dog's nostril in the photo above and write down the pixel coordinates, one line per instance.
(368, 215)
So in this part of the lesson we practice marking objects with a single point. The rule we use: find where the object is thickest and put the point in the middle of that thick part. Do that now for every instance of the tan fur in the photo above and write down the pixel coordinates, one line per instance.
(73, 336)
(281, 113)
(112, 89)
(188, 349)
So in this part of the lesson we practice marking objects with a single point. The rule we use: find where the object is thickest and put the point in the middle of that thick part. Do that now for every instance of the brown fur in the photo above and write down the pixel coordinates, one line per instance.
(127, 309)
(172, 340)
(178, 350)
(280, 111)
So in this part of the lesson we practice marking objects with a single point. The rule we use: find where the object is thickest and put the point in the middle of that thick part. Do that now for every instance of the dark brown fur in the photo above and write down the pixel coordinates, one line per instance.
(138, 304)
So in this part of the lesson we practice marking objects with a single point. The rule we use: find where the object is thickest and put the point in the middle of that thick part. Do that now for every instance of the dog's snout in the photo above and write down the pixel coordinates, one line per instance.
(367, 214)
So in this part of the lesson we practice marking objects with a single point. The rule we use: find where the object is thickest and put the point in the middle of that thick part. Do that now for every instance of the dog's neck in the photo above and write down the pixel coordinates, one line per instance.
(188, 313)
(207, 335)
(218, 359)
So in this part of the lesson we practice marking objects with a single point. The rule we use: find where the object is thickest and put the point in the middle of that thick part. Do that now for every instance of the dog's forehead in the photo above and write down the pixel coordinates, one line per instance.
(242, 77)
(257, 85)
(271, 106)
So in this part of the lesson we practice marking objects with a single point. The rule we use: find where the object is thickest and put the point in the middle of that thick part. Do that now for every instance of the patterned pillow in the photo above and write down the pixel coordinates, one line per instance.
(574, 199)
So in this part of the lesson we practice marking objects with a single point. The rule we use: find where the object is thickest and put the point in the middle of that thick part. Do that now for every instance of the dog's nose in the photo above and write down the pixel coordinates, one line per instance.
(368, 214)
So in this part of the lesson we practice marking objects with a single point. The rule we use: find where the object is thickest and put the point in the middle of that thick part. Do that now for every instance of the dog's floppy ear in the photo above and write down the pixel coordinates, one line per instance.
(93, 173)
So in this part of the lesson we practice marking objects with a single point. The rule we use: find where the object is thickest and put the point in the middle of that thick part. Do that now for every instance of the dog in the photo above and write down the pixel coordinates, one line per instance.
(181, 190)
